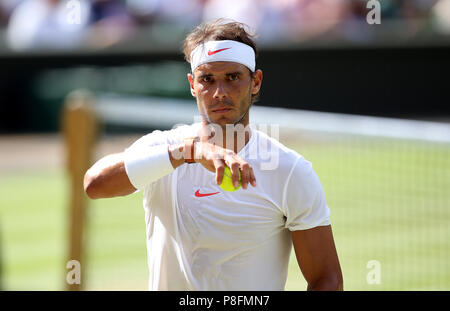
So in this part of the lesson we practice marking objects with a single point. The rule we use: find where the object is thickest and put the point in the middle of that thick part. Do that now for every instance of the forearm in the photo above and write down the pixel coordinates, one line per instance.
(328, 283)
(121, 174)
(108, 178)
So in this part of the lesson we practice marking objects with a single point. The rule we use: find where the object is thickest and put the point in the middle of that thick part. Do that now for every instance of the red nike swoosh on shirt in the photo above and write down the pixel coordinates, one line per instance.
(198, 194)
(217, 51)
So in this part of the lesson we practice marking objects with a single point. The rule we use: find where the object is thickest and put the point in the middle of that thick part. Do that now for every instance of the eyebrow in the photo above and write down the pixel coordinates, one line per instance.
(234, 73)
(205, 75)
(227, 74)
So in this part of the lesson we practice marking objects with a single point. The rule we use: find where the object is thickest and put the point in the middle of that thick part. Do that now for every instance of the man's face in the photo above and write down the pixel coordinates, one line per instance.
(224, 91)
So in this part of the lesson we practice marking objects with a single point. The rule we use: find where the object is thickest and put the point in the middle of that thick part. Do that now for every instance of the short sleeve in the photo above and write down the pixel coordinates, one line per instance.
(156, 137)
(304, 199)
(172, 136)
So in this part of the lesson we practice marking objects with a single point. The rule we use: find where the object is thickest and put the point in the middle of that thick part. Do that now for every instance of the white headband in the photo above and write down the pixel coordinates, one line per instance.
(223, 51)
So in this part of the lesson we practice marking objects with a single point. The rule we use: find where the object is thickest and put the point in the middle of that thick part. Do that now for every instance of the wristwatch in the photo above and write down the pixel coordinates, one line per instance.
(189, 143)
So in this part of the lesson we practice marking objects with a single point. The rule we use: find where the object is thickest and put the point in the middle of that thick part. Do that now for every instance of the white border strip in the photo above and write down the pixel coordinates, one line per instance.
(163, 112)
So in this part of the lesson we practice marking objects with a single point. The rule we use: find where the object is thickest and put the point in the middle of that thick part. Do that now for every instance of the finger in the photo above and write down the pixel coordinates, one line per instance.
(234, 162)
(252, 177)
(210, 160)
(228, 156)
(220, 167)
(235, 173)
(245, 174)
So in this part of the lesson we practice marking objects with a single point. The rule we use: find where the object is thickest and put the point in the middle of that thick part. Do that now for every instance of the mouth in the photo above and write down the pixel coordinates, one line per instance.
(221, 110)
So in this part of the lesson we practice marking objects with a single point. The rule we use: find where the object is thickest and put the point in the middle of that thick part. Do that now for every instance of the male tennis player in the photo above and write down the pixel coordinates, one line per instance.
(200, 237)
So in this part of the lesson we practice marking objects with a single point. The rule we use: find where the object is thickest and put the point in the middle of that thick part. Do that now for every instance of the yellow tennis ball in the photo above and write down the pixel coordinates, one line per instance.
(227, 181)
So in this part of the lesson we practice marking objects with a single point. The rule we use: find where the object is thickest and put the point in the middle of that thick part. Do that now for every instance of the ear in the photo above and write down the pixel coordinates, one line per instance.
(257, 81)
(191, 83)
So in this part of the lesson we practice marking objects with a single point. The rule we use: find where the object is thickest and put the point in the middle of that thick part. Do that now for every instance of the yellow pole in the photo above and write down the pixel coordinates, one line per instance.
(80, 130)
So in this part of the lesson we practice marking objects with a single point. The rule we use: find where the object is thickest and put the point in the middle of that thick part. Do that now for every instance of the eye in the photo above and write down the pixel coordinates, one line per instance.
(206, 79)
(233, 77)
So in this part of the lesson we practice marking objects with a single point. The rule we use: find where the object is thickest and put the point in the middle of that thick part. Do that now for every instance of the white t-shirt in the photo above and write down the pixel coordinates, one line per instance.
(228, 240)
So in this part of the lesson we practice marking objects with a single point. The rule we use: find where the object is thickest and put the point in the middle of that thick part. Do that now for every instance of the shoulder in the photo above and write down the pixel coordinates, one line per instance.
(276, 155)
(172, 136)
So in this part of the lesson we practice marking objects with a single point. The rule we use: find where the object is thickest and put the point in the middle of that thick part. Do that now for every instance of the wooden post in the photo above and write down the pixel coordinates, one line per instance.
(80, 130)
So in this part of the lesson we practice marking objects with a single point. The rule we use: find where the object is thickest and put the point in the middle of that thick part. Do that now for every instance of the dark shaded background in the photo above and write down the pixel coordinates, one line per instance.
(396, 82)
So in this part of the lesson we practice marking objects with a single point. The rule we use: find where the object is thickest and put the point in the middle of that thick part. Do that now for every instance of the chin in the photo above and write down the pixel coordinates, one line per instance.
(221, 120)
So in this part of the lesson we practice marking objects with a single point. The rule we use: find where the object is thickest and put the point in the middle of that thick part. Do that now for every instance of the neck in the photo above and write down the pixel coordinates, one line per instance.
(230, 136)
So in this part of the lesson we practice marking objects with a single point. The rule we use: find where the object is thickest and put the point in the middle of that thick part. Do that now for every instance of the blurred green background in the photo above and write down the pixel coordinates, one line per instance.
(389, 202)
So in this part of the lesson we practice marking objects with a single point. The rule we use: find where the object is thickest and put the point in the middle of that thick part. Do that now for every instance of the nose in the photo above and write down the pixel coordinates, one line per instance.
(220, 92)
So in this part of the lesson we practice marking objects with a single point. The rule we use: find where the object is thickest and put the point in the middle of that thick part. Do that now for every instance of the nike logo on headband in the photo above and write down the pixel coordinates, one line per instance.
(217, 51)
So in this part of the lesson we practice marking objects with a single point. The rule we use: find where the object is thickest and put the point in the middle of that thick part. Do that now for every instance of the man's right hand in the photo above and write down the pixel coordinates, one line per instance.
(214, 158)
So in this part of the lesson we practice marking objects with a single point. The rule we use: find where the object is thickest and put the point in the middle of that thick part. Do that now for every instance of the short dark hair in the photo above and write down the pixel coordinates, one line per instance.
(220, 29)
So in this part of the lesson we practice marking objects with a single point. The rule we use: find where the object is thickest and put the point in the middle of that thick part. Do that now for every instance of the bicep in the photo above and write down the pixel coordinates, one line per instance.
(316, 255)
